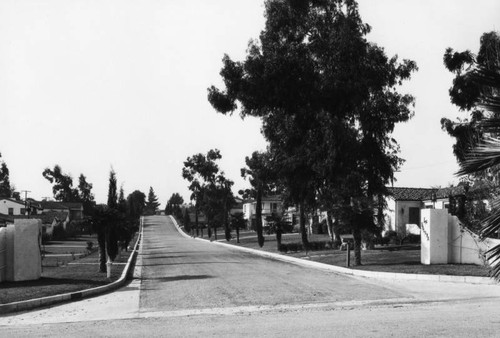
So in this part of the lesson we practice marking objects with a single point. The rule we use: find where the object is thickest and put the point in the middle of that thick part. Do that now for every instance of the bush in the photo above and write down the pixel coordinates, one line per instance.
(59, 233)
(72, 229)
(313, 246)
(46, 238)
(90, 245)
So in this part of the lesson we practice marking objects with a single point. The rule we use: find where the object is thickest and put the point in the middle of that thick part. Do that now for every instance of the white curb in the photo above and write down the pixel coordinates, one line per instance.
(352, 272)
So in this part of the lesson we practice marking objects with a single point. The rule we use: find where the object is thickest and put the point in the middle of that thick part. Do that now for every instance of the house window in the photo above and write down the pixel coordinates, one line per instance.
(23, 211)
(11, 211)
(274, 207)
(414, 215)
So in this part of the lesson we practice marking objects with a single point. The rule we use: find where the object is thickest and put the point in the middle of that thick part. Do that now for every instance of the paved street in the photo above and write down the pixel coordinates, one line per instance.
(187, 287)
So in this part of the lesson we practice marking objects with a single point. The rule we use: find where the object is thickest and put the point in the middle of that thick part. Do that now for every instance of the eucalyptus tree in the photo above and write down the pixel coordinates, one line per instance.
(62, 187)
(211, 191)
(328, 102)
(261, 176)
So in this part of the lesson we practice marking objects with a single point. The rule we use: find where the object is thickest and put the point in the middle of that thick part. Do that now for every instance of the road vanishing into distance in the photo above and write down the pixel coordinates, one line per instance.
(184, 287)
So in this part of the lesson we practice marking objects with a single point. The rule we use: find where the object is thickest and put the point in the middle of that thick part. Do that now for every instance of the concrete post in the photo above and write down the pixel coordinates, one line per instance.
(434, 236)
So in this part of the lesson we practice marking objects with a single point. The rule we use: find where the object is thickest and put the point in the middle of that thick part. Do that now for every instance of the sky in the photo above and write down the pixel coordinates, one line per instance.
(95, 85)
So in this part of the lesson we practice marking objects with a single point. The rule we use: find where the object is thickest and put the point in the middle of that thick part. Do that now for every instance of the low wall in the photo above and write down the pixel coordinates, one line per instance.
(20, 250)
(445, 240)
(465, 247)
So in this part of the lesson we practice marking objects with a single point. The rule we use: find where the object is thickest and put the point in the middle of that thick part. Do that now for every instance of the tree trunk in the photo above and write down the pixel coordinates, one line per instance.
(237, 234)
(357, 245)
(101, 240)
(226, 222)
(215, 231)
(336, 233)
(278, 236)
(329, 227)
(196, 222)
(258, 216)
(302, 223)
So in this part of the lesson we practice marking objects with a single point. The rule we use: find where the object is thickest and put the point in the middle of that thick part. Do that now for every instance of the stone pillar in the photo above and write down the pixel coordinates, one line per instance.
(434, 236)
(26, 256)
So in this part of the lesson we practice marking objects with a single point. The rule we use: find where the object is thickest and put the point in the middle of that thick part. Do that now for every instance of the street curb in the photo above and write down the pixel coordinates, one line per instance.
(73, 296)
(352, 272)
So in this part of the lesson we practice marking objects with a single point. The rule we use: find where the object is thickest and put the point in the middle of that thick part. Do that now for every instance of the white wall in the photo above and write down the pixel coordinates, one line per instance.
(6, 204)
(3, 253)
(465, 247)
(434, 236)
(22, 257)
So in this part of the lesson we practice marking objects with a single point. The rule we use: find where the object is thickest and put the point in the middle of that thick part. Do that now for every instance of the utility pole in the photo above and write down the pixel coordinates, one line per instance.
(26, 207)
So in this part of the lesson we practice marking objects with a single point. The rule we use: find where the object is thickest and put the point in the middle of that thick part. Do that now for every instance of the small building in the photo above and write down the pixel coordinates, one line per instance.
(75, 210)
(271, 205)
(404, 204)
(12, 207)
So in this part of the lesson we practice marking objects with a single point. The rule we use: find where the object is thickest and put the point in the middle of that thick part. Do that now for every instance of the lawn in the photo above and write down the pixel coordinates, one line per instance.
(65, 273)
(404, 259)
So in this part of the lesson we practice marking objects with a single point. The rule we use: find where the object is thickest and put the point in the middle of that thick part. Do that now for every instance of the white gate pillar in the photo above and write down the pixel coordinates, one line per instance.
(434, 236)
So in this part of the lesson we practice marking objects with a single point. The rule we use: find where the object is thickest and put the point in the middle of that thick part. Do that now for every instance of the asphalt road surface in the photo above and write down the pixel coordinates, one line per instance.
(186, 287)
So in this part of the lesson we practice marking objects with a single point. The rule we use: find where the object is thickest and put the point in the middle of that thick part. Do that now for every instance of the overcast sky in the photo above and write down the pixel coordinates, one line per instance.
(95, 84)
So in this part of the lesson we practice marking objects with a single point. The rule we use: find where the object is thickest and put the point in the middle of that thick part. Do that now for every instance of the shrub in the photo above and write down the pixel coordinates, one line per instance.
(72, 229)
(90, 245)
(59, 233)
(46, 238)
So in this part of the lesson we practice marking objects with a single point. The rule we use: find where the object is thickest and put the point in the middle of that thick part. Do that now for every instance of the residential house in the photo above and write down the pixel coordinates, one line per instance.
(270, 205)
(404, 204)
(237, 207)
(49, 219)
(75, 210)
(12, 207)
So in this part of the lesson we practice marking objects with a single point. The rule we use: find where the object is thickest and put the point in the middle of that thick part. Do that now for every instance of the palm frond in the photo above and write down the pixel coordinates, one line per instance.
(491, 224)
(490, 125)
(493, 258)
(482, 157)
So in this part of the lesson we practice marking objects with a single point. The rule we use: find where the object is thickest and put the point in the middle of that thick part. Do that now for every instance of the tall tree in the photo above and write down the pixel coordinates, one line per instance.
(328, 101)
(152, 203)
(62, 185)
(136, 203)
(112, 190)
(174, 205)
(211, 191)
(5, 187)
(122, 202)
(467, 93)
(477, 91)
(85, 195)
(261, 177)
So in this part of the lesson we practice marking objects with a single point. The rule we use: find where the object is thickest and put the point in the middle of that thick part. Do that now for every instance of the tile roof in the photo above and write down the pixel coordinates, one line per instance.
(422, 194)
(60, 205)
(46, 217)
(412, 194)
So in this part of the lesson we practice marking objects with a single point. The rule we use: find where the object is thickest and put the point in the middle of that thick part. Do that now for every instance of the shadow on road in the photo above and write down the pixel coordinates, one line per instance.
(177, 278)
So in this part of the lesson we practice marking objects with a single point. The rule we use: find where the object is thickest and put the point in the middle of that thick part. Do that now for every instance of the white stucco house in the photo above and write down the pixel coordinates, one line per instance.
(270, 205)
(404, 204)
(12, 207)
